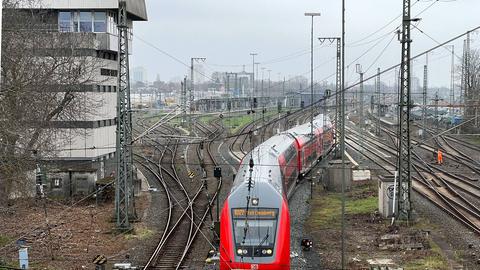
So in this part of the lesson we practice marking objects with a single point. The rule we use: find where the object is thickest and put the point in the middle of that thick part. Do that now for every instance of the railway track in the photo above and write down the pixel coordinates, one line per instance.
(203, 201)
(180, 226)
(167, 254)
(186, 213)
(442, 188)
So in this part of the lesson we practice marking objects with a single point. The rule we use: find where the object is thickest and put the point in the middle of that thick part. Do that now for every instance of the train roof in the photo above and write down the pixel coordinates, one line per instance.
(265, 168)
(305, 129)
(278, 143)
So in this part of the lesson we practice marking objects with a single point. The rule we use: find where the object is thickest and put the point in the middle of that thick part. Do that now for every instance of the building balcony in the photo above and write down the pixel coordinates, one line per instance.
(96, 41)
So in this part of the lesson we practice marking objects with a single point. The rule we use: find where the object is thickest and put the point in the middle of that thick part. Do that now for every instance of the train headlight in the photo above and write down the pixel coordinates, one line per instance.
(269, 251)
(244, 251)
(255, 201)
(264, 251)
(239, 251)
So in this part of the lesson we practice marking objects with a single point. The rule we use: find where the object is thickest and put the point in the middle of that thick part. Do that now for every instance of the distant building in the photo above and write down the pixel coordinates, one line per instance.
(298, 99)
(87, 154)
(239, 83)
(139, 74)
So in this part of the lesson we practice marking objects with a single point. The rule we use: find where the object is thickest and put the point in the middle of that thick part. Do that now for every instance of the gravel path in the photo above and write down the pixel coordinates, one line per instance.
(299, 212)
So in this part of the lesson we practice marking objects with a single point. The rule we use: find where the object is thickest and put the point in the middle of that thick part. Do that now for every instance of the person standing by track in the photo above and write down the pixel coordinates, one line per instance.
(439, 157)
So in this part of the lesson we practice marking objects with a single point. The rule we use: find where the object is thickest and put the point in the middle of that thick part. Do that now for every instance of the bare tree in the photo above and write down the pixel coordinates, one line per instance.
(44, 75)
(471, 86)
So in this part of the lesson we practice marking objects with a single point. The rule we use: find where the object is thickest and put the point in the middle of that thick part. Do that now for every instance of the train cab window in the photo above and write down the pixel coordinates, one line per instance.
(254, 234)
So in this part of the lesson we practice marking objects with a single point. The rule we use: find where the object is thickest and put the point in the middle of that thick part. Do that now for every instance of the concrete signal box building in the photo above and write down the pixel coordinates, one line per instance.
(87, 148)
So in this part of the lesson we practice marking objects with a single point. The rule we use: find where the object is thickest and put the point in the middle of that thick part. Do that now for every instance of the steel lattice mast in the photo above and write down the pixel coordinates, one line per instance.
(191, 98)
(124, 200)
(378, 129)
(424, 98)
(338, 89)
(183, 97)
(404, 150)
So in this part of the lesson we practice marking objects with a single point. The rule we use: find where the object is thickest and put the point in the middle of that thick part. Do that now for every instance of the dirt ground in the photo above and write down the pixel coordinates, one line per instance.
(364, 230)
(73, 237)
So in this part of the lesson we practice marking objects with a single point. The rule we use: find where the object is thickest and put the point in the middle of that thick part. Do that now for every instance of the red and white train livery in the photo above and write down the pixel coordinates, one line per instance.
(255, 220)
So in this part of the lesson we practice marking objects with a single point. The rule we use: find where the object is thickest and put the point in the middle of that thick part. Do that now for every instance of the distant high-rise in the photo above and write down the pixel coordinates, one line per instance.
(139, 74)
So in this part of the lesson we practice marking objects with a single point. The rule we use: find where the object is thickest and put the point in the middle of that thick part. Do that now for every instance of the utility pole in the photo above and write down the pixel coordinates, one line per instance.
(311, 72)
(255, 96)
(463, 79)
(436, 100)
(338, 99)
(424, 95)
(269, 87)
(379, 108)
(258, 75)
(342, 134)
(359, 70)
(360, 112)
(468, 86)
(1, 11)
(184, 100)
(404, 148)
(452, 81)
(253, 80)
(192, 84)
(262, 93)
(124, 199)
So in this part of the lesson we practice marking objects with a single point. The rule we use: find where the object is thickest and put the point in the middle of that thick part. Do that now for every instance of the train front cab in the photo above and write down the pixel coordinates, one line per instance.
(264, 245)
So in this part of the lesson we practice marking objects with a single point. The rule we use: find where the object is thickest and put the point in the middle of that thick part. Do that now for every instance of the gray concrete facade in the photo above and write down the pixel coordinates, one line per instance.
(87, 147)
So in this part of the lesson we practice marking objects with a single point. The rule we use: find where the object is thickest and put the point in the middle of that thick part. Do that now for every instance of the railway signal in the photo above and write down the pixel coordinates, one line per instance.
(217, 172)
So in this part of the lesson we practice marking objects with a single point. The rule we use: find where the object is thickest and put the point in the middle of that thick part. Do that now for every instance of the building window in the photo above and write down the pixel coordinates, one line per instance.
(56, 182)
(65, 21)
(108, 72)
(100, 22)
(85, 21)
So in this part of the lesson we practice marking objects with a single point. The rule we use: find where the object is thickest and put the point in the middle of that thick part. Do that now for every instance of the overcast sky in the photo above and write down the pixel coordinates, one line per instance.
(227, 31)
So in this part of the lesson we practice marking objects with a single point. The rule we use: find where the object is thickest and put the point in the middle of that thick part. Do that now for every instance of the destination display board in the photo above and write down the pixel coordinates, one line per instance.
(255, 213)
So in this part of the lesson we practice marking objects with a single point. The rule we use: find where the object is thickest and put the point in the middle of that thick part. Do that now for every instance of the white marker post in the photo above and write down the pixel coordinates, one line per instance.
(22, 253)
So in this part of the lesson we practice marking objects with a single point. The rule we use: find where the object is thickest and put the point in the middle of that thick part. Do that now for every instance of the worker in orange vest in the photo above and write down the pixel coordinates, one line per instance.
(439, 157)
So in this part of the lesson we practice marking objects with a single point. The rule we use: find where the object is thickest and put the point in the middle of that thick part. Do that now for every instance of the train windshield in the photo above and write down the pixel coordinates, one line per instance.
(256, 228)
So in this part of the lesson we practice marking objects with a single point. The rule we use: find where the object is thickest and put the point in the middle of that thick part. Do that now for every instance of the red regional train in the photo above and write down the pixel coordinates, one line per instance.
(255, 220)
